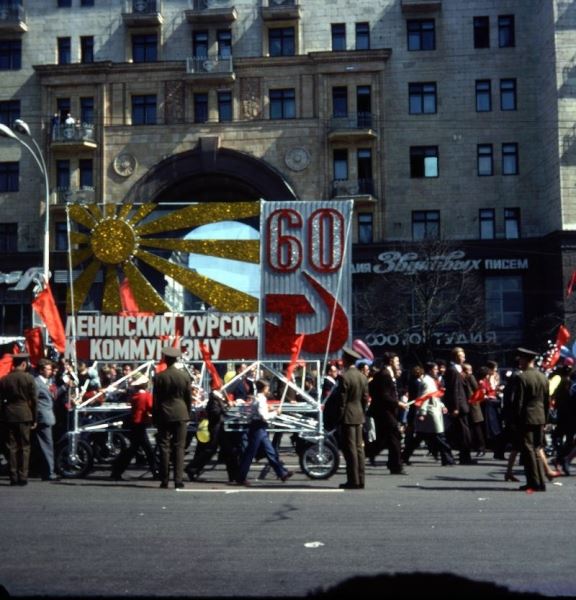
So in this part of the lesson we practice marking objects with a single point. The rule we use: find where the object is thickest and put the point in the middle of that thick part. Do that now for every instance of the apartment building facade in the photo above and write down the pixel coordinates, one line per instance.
(449, 123)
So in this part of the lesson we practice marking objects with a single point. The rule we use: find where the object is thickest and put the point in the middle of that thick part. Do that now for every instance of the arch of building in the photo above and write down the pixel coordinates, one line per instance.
(209, 173)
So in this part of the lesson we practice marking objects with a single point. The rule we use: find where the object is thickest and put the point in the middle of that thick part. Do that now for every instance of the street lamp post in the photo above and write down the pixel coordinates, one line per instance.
(22, 128)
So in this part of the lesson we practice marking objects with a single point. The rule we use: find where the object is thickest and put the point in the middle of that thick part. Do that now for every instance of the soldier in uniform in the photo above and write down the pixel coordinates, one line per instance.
(529, 407)
(171, 413)
(19, 397)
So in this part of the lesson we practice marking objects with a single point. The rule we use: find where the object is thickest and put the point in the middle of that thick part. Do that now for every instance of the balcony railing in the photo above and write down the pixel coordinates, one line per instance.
(205, 67)
(273, 10)
(12, 18)
(345, 188)
(421, 6)
(64, 195)
(205, 11)
(360, 126)
(73, 137)
(142, 13)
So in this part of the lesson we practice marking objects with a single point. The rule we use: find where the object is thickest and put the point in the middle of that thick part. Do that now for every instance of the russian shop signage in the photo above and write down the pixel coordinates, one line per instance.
(303, 256)
(455, 261)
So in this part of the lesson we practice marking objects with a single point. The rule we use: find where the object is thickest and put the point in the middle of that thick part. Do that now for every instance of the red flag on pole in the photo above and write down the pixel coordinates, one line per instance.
(6, 361)
(34, 344)
(571, 284)
(216, 381)
(294, 354)
(129, 304)
(45, 306)
(435, 394)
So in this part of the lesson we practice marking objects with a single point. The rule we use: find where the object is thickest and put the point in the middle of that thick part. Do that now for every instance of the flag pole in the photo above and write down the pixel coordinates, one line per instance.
(72, 347)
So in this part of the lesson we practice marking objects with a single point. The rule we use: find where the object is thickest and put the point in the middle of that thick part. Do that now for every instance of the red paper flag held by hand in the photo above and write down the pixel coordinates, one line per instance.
(553, 356)
(216, 383)
(129, 304)
(571, 284)
(34, 344)
(478, 396)
(46, 308)
(435, 394)
(6, 361)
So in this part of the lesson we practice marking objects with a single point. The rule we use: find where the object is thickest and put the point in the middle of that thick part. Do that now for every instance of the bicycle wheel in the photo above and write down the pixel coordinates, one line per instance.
(319, 460)
(74, 466)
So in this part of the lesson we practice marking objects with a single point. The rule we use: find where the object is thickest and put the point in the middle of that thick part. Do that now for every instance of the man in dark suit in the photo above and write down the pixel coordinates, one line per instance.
(171, 413)
(456, 402)
(384, 405)
(352, 398)
(530, 402)
(46, 418)
(19, 400)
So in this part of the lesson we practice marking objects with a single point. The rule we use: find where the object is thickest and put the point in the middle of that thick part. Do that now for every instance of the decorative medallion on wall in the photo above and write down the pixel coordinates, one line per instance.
(124, 164)
(297, 159)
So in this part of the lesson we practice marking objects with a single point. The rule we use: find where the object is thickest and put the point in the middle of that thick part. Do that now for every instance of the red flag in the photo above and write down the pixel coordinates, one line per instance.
(562, 337)
(34, 344)
(435, 394)
(216, 381)
(45, 306)
(294, 354)
(129, 304)
(571, 284)
(6, 361)
(161, 366)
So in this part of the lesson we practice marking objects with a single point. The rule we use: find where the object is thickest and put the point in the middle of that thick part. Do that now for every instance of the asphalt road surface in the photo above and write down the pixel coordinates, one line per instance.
(440, 530)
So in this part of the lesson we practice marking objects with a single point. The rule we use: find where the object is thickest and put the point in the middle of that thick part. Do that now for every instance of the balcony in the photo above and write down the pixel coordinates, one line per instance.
(280, 10)
(411, 7)
(62, 196)
(212, 11)
(352, 127)
(361, 190)
(211, 70)
(142, 13)
(73, 137)
(12, 18)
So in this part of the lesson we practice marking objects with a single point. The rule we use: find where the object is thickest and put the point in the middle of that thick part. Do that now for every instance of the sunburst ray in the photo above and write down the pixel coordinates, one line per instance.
(83, 216)
(124, 211)
(147, 298)
(214, 293)
(143, 211)
(111, 302)
(76, 237)
(82, 285)
(79, 256)
(242, 250)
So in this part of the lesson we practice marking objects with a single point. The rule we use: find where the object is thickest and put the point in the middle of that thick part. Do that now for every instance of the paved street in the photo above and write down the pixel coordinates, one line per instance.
(98, 537)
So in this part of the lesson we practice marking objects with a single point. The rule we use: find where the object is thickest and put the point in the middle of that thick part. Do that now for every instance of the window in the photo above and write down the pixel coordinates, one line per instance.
(9, 176)
(145, 48)
(340, 101)
(421, 34)
(144, 110)
(86, 173)
(63, 175)
(506, 35)
(481, 32)
(64, 51)
(224, 37)
(63, 105)
(282, 104)
(511, 223)
(424, 161)
(504, 302)
(507, 94)
(364, 106)
(487, 218)
(483, 95)
(485, 160)
(425, 225)
(224, 106)
(8, 237)
(338, 37)
(200, 108)
(364, 169)
(362, 36)
(61, 236)
(422, 98)
(64, 3)
(281, 41)
(365, 228)
(87, 49)
(340, 164)
(86, 2)
(510, 159)
(200, 44)
(9, 112)
(10, 55)
(87, 110)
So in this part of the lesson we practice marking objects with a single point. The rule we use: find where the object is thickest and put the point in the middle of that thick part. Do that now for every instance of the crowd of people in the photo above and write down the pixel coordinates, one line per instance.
(459, 413)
